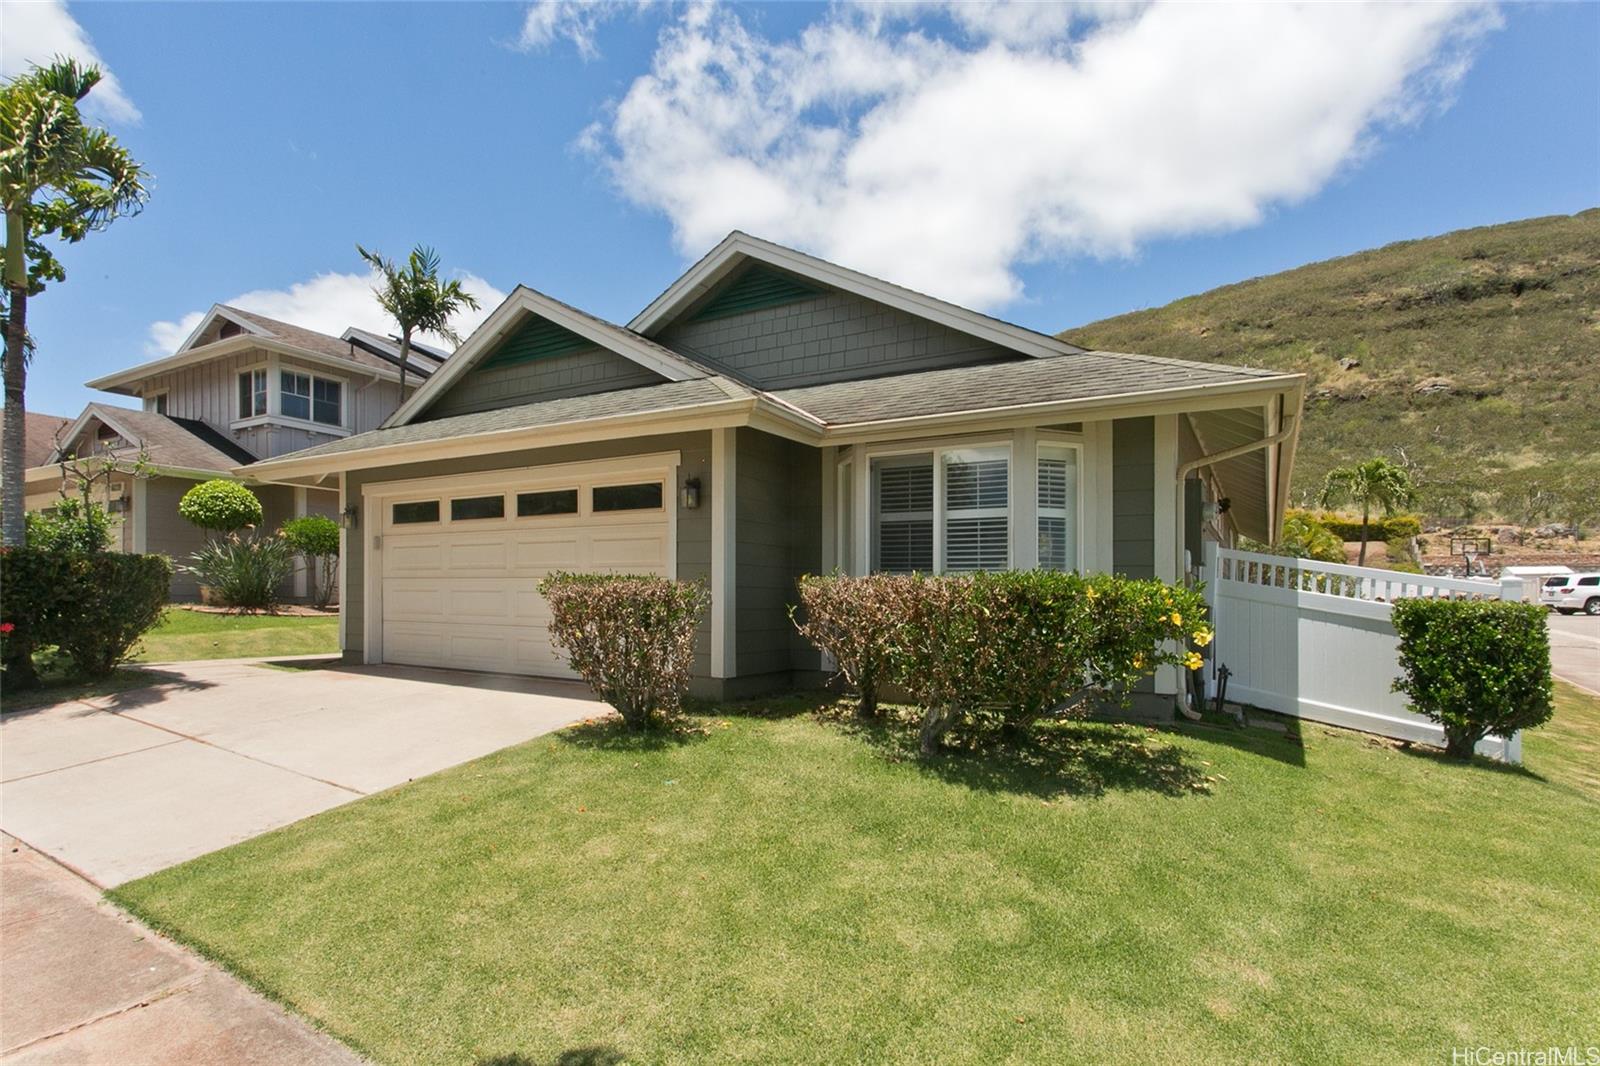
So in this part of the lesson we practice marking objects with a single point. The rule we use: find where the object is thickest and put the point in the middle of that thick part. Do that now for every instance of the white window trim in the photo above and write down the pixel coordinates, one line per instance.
(938, 449)
(240, 421)
(1064, 442)
(150, 399)
(856, 530)
(275, 368)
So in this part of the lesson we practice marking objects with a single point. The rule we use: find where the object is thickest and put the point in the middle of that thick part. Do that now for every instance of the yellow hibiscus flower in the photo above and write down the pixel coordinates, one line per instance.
(1177, 619)
(1203, 637)
(1193, 660)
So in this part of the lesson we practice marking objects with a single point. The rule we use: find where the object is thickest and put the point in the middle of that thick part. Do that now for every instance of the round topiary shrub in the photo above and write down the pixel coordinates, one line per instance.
(316, 537)
(221, 506)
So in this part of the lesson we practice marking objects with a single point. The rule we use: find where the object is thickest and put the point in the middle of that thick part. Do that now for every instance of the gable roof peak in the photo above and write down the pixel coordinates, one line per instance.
(738, 247)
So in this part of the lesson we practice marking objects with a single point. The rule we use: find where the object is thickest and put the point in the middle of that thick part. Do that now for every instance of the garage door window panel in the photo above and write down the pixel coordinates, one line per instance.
(473, 508)
(643, 496)
(416, 512)
(546, 503)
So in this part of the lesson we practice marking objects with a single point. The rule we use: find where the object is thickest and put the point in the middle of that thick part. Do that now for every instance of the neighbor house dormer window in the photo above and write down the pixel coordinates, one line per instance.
(310, 398)
(252, 393)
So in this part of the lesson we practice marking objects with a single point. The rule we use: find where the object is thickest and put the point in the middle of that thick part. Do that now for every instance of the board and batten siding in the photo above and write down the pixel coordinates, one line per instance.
(209, 392)
(778, 525)
(694, 527)
(571, 374)
(834, 336)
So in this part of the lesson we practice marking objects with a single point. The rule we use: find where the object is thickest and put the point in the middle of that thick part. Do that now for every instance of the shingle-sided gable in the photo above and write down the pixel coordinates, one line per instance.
(773, 330)
(539, 360)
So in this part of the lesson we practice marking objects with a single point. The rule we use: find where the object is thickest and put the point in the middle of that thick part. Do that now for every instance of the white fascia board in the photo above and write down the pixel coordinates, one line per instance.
(507, 317)
(1117, 405)
(122, 379)
(672, 420)
(737, 247)
(218, 311)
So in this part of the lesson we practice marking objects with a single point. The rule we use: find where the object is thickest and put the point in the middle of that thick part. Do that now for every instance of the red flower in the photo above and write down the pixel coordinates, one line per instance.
(6, 628)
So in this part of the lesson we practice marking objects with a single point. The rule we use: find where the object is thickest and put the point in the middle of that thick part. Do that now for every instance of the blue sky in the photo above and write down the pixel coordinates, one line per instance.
(571, 149)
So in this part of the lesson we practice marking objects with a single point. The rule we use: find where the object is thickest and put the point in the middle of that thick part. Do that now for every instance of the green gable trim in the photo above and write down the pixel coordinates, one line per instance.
(537, 338)
(754, 290)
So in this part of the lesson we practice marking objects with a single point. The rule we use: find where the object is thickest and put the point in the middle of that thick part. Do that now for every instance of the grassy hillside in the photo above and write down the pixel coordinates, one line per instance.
(1476, 354)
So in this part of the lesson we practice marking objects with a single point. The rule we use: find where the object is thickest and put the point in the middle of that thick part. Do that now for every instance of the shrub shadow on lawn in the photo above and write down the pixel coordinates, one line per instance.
(596, 1055)
(1053, 759)
(610, 734)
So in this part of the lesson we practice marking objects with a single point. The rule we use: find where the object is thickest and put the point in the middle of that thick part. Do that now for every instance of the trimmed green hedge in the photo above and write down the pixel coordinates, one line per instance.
(1394, 527)
(1475, 666)
(1006, 647)
(94, 607)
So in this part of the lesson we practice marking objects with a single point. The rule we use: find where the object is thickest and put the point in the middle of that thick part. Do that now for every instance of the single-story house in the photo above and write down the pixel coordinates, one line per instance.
(771, 414)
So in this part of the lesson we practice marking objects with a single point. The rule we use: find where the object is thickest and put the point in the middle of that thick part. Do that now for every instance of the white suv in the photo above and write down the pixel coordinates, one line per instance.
(1572, 592)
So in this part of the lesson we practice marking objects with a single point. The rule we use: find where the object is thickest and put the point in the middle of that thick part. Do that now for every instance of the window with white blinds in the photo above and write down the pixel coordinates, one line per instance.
(903, 512)
(977, 508)
(1058, 508)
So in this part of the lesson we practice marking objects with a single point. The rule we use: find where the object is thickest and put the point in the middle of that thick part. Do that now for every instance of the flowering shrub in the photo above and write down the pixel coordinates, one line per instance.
(1016, 645)
(245, 570)
(630, 637)
(221, 506)
(853, 622)
(316, 537)
(1474, 666)
(94, 607)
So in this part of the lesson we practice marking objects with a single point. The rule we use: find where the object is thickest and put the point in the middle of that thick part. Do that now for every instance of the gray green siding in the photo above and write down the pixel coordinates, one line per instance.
(834, 336)
(548, 377)
(1133, 497)
(694, 527)
(778, 523)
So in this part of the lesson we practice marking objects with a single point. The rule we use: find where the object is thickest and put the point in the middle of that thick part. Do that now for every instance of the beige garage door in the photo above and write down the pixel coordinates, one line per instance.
(460, 567)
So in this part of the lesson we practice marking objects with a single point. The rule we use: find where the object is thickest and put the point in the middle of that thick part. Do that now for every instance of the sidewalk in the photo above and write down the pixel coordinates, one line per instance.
(81, 982)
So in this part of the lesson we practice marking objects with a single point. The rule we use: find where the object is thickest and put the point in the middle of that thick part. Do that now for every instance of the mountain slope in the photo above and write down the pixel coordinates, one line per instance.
(1474, 356)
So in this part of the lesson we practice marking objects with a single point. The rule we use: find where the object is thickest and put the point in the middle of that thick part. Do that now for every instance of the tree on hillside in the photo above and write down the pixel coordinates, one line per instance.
(417, 300)
(58, 178)
(1377, 484)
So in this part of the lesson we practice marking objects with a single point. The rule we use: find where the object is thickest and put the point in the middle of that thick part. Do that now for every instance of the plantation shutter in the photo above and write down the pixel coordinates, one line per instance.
(1058, 508)
(905, 515)
(977, 497)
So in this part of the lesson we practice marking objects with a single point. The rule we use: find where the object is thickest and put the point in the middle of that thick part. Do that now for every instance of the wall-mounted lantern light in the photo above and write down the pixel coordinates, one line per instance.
(347, 517)
(690, 494)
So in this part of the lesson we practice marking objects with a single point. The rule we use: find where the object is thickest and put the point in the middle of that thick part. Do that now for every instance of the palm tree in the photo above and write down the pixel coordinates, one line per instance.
(417, 300)
(1376, 483)
(61, 178)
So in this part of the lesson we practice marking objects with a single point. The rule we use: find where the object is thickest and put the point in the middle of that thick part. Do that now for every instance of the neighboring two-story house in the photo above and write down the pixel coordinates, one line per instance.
(241, 388)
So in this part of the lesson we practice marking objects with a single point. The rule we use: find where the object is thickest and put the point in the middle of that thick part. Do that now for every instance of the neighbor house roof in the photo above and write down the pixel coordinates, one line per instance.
(666, 398)
(40, 432)
(996, 386)
(167, 442)
(258, 331)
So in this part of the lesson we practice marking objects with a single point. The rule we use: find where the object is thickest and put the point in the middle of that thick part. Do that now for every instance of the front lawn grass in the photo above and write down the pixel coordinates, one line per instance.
(183, 635)
(788, 888)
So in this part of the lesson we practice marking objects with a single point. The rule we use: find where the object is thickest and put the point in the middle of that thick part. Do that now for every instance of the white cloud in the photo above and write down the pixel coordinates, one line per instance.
(576, 21)
(942, 145)
(327, 303)
(35, 33)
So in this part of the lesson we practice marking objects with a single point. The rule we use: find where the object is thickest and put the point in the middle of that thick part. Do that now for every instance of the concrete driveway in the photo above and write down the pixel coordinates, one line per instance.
(120, 786)
(1575, 650)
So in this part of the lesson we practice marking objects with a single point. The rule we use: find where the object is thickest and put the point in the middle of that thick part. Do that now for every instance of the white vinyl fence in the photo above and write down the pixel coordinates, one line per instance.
(1314, 640)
